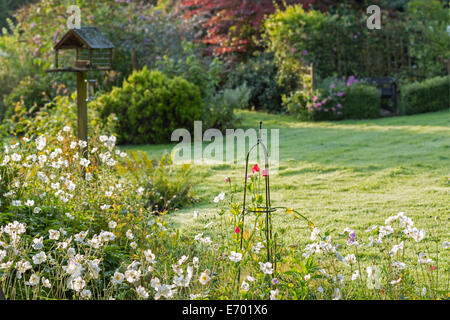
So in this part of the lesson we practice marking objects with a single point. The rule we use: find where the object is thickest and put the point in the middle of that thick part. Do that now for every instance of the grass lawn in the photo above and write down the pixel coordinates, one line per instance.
(343, 174)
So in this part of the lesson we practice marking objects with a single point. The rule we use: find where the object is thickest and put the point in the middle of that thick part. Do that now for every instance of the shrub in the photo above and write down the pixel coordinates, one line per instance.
(340, 99)
(260, 75)
(150, 106)
(361, 102)
(427, 96)
(220, 112)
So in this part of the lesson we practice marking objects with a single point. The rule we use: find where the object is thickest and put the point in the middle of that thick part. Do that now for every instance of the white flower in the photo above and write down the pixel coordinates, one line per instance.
(220, 197)
(68, 215)
(396, 281)
(266, 268)
(396, 248)
(235, 256)
(16, 157)
(320, 289)
(149, 256)
(77, 284)
(40, 143)
(355, 275)
(46, 283)
(73, 145)
(314, 234)
(195, 262)
(67, 129)
(274, 294)
(38, 243)
(416, 234)
(112, 224)
(34, 280)
(86, 294)
(307, 277)
(129, 234)
(22, 266)
(445, 245)
(155, 283)
(165, 290)
(133, 245)
(257, 247)
(350, 259)
(84, 162)
(53, 234)
(204, 278)
(399, 265)
(117, 278)
(195, 214)
(245, 286)
(250, 278)
(142, 293)
(39, 258)
(29, 203)
(132, 275)
(36, 210)
(423, 258)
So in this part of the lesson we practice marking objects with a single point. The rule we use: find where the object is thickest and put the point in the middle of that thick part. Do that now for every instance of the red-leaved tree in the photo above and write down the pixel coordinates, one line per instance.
(228, 26)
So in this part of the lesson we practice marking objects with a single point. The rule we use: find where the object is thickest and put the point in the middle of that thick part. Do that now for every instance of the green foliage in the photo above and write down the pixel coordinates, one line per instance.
(166, 188)
(7, 7)
(427, 96)
(260, 75)
(414, 45)
(52, 117)
(361, 102)
(204, 73)
(430, 44)
(338, 100)
(150, 106)
(220, 111)
(34, 92)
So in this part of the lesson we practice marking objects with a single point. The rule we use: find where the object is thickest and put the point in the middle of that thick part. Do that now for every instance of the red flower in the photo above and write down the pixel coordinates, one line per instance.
(433, 268)
(237, 230)
(265, 173)
(255, 168)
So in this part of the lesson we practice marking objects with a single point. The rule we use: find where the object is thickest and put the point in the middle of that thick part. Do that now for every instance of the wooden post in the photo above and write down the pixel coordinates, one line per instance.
(82, 110)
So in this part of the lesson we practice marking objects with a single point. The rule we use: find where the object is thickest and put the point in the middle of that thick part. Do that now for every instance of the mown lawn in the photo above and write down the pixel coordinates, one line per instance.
(343, 174)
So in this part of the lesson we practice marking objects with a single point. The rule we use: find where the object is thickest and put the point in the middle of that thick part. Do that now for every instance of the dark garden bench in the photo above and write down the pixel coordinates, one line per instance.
(388, 90)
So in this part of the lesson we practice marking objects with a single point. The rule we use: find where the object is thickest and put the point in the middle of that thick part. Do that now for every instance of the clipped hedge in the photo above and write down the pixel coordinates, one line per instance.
(427, 96)
(150, 106)
(361, 102)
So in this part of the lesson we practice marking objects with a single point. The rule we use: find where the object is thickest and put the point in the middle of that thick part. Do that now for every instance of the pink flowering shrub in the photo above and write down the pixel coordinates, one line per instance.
(346, 98)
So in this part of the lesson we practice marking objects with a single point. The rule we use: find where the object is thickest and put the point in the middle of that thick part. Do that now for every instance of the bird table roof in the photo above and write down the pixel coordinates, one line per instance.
(84, 37)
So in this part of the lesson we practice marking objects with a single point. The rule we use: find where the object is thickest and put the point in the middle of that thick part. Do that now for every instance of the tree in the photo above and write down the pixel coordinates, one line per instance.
(230, 26)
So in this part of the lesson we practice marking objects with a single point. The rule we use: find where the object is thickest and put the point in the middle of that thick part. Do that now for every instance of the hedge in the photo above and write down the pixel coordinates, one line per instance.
(361, 102)
(427, 96)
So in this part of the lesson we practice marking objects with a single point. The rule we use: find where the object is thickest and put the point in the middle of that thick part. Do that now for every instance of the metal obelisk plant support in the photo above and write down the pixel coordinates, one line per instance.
(267, 209)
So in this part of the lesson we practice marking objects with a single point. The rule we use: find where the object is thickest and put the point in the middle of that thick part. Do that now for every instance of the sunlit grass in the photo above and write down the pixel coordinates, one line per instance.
(344, 174)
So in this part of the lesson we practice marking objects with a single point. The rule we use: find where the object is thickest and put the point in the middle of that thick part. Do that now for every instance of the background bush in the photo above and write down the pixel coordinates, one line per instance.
(361, 102)
(150, 106)
(427, 96)
(339, 100)
(260, 75)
